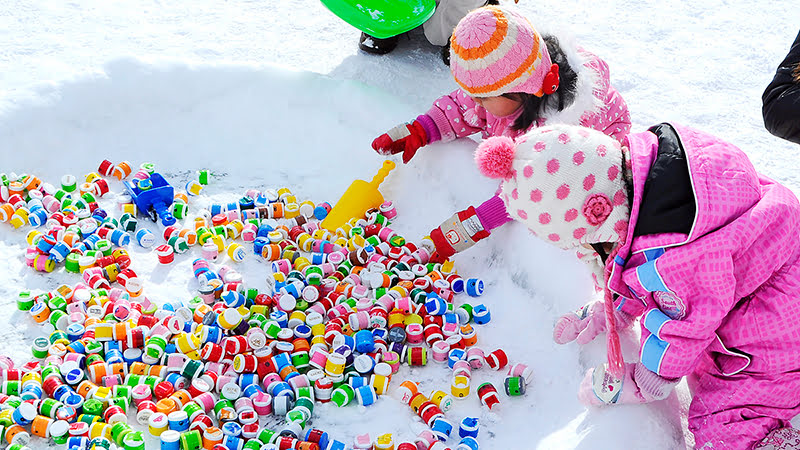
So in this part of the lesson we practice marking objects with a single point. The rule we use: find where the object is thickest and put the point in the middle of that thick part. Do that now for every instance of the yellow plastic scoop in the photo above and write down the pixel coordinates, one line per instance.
(357, 199)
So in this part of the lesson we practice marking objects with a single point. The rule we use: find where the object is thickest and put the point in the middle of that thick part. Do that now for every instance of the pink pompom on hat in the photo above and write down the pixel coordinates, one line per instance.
(495, 50)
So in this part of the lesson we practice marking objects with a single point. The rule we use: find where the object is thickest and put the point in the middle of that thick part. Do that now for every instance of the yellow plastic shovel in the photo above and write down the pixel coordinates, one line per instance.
(357, 199)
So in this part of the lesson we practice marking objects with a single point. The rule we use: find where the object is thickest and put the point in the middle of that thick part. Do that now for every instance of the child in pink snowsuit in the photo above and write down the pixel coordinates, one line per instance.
(687, 237)
(512, 80)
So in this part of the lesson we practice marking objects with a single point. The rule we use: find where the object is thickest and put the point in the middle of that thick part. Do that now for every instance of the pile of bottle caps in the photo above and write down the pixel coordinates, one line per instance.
(343, 310)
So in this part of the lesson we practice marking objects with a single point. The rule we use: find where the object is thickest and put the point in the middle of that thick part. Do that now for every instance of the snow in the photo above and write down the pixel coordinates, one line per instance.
(274, 94)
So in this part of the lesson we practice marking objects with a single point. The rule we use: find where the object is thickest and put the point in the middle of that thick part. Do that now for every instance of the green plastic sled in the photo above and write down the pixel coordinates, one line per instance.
(382, 18)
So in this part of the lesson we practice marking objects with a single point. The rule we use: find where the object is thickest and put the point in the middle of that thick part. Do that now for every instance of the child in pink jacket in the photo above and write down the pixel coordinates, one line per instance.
(512, 80)
(687, 237)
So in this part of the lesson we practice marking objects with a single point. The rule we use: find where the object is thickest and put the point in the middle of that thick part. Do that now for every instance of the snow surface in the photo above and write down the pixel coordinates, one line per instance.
(276, 93)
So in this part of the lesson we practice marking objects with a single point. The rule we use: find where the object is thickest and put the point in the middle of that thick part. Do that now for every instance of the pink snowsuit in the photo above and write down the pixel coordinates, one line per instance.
(719, 300)
(596, 105)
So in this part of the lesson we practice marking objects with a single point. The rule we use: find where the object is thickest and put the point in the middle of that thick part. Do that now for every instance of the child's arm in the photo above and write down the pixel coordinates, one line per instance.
(452, 116)
(702, 288)
(456, 115)
(619, 117)
(613, 118)
(466, 227)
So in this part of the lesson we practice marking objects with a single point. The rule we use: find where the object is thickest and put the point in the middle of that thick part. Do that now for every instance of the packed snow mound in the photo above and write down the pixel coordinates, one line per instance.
(269, 127)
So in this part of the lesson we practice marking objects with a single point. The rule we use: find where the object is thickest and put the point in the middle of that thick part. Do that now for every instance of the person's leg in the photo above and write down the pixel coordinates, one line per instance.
(738, 412)
(440, 25)
(446, 54)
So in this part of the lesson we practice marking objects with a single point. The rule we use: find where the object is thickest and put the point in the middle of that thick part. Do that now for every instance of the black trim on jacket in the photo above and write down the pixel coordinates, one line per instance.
(668, 204)
(781, 99)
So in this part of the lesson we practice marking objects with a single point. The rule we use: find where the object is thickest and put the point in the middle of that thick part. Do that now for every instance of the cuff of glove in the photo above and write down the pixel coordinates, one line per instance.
(442, 124)
(430, 128)
(651, 386)
(624, 320)
(492, 213)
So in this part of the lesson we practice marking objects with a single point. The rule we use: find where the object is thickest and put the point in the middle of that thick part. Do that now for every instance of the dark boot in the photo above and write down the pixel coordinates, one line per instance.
(377, 46)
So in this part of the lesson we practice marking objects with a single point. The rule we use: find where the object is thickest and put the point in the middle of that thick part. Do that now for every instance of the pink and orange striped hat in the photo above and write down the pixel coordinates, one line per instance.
(495, 50)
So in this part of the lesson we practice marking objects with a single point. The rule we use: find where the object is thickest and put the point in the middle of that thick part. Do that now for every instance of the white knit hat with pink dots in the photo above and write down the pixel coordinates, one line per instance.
(564, 182)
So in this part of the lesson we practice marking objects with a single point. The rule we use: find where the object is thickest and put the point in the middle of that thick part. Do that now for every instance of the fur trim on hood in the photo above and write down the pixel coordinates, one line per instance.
(590, 85)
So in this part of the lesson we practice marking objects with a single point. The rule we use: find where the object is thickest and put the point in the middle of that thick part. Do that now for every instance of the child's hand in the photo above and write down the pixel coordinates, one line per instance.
(582, 325)
(440, 257)
(406, 138)
(456, 234)
(638, 385)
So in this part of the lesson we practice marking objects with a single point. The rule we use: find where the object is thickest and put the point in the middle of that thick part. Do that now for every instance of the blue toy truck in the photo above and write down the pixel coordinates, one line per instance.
(153, 196)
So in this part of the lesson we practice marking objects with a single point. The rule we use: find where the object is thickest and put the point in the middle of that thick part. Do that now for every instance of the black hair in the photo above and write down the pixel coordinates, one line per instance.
(796, 73)
(533, 106)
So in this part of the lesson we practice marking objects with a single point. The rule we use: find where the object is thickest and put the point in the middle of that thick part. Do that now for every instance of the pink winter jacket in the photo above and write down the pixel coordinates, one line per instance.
(729, 285)
(596, 105)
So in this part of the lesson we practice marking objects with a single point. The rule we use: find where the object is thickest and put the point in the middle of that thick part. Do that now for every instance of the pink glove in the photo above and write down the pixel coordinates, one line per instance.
(584, 324)
(638, 385)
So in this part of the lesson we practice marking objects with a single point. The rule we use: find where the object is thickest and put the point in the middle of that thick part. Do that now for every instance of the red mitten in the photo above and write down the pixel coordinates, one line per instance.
(443, 249)
(406, 138)
(456, 234)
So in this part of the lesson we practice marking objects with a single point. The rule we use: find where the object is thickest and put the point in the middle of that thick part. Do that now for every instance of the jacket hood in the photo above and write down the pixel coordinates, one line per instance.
(589, 88)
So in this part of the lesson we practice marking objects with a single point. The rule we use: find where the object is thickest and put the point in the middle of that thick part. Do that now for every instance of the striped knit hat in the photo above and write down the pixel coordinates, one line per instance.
(495, 50)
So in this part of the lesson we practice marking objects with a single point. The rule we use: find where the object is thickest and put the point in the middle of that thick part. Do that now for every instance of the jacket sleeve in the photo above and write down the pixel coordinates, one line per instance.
(613, 118)
(672, 345)
(781, 99)
(457, 115)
